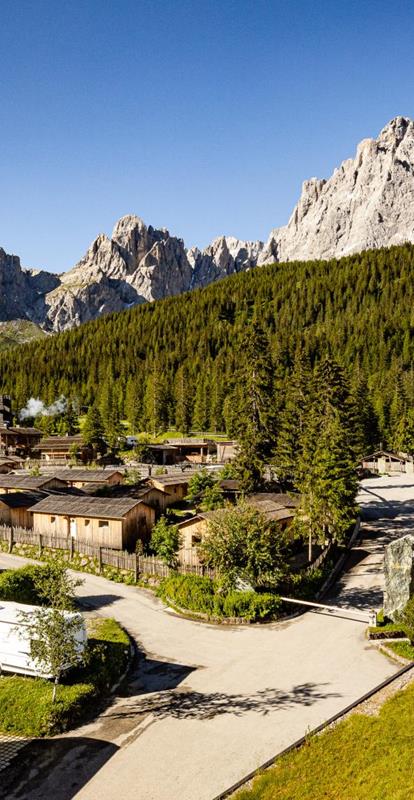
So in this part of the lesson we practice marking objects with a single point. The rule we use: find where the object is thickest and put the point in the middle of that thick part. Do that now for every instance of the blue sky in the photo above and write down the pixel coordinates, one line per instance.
(203, 117)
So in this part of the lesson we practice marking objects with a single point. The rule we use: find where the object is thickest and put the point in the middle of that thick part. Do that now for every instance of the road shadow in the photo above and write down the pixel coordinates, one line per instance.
(97, 601)
(54, 769)
(184, 703)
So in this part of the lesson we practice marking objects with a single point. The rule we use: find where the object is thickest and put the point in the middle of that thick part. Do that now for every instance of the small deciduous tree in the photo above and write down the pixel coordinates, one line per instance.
(197, 485)
(165, 541)
(242, 543)
(52, 631)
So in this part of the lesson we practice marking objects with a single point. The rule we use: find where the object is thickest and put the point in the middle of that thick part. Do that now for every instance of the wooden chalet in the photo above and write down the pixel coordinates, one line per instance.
(193, 530)
(116, 522)
(175, 487)
(91, 478)
(62, 449)
(19, 441)
(15, 508)
(27, 483)
(384, 462)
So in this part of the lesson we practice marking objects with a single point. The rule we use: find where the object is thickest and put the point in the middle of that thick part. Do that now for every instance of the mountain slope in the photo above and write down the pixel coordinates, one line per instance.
(367, 203)
(186, 350)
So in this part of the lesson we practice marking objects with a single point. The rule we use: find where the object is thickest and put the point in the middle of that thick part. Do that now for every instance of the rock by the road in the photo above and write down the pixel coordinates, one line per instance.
(398, 574)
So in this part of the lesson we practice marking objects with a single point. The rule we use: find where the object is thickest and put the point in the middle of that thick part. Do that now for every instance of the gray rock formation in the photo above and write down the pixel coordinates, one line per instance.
(398, 574)
(368, 202)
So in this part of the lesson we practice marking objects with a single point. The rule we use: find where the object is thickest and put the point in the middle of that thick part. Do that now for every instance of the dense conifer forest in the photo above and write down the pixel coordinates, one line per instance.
(180, 362)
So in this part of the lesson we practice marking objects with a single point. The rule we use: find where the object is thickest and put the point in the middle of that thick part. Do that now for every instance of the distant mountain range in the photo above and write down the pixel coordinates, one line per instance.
(368, 202)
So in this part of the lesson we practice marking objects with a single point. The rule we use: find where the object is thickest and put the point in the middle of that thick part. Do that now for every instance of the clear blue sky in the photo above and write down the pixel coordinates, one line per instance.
(203, 117)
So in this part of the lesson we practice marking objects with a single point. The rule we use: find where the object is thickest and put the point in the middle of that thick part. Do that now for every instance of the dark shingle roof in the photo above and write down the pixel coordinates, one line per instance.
(20, 499)
(102, 507)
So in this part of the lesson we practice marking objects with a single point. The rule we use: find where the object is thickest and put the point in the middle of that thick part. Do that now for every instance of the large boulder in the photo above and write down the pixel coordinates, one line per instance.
(399, 575)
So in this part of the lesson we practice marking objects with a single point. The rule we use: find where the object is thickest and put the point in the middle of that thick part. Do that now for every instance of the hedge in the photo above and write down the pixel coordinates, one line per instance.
(202, 595)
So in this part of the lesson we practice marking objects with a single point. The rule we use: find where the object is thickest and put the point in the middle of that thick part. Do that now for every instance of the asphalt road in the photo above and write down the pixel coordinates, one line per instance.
(206, 704)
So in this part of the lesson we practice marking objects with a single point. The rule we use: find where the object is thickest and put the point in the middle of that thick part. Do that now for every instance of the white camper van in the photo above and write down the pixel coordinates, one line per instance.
(15, 641)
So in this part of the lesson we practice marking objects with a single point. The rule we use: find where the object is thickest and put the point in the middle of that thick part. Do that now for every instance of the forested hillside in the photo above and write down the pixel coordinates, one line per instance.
(178, 361)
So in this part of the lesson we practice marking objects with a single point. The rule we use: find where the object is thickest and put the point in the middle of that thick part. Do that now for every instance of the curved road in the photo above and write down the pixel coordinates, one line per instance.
(206, 705)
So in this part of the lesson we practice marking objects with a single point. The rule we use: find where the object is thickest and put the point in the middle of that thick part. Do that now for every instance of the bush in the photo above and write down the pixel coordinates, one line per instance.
(26, 707)
(19, 585)
(202, 595)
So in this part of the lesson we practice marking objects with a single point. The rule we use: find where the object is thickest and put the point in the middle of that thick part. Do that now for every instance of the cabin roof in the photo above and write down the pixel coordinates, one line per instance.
(171, 480)
(87, 475)
(187, 441)
(20, 499)
(25, 481)
(75, 506)
(22, 430)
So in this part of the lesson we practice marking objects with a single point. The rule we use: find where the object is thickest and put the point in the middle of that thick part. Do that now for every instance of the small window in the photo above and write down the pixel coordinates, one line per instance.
(52, 520)
(86, 522)
(103, 523)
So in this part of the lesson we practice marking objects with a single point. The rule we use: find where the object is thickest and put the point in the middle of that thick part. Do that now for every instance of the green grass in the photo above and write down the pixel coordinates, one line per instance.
(26, 707)
(404, 649)
(362, 758)
(19, 331)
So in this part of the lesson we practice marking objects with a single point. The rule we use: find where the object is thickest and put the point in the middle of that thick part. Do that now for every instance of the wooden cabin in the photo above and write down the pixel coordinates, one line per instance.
(198, 451)
(19, 441)
(91, 478)
(28, 483)
(164, 453)
(15, 508)
(116, 522)
(62, 449)
(175, 487)
(158, 499)
(384, 462)
(192, 531)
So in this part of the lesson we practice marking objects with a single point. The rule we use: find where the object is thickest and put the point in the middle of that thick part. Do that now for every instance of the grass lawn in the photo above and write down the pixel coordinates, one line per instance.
(362, 758)
(26, 706)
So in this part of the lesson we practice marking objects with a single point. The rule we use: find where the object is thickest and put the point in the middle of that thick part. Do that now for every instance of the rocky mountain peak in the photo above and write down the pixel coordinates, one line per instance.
(367, 202)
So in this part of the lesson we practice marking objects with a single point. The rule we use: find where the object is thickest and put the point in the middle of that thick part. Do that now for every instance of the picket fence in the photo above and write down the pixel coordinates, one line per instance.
(118, 559)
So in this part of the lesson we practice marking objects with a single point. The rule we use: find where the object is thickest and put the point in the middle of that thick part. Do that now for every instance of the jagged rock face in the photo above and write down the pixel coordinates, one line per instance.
(368, 202)
(22, 291)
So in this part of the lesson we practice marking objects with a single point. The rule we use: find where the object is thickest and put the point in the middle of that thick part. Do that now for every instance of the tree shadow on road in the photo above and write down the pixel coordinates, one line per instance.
(188, 704)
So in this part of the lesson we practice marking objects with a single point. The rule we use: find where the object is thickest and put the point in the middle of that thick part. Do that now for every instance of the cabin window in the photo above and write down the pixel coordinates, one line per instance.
(86, 522)
(52, 520)
(103, 523)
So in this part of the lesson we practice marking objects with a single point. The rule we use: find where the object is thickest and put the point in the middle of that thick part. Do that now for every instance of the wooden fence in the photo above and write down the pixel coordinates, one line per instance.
(118, 559)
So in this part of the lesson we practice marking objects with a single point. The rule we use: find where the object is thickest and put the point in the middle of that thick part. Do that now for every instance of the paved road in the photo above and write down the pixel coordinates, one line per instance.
(208, 704)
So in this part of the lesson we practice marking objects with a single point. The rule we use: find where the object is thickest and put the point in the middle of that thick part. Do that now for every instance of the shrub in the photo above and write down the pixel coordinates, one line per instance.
(202, 595)
(19, 585)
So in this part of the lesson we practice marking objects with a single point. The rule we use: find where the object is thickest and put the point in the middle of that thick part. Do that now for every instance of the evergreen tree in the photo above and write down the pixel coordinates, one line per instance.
(257, 426)
(292, 420)
(93, 431)
(182, 401)
(133, 404)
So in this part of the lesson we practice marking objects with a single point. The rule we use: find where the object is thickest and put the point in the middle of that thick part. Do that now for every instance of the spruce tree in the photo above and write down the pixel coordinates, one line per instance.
(256, 420)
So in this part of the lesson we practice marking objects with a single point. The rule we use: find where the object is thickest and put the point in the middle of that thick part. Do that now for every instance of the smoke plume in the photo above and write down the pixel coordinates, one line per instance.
(35, 407)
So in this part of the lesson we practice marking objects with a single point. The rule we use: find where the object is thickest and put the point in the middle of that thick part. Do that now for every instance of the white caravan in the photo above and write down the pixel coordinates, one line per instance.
(15, 639)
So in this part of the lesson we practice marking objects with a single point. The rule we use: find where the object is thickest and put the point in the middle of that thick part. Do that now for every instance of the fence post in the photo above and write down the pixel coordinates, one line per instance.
(100, 559)
(136, 568)
(71, 548)
(11, 540)
(40, 544)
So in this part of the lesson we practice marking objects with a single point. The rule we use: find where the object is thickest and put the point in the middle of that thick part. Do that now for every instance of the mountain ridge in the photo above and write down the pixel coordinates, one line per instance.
(368, 202)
